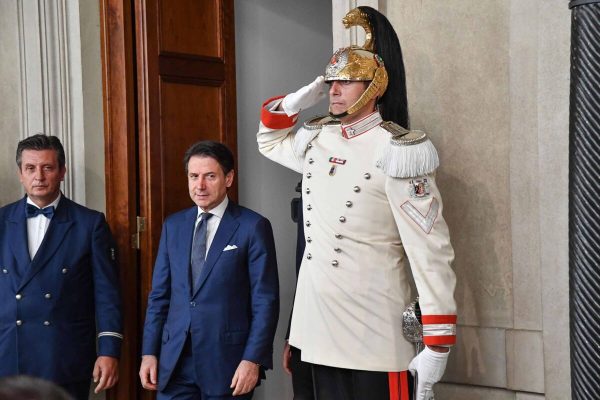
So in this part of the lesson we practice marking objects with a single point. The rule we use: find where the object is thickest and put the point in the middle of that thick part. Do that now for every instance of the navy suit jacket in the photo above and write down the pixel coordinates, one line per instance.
(232, 315)
(53, 307)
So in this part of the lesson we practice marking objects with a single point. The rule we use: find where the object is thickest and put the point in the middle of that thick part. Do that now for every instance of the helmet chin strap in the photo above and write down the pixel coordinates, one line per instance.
(346, 113)
(338, 116)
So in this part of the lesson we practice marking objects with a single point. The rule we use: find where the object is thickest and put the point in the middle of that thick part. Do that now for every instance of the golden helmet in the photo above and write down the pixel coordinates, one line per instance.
(356, 63)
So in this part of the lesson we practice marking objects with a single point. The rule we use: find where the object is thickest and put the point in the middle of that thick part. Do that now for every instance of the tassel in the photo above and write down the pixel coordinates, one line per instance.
(399, 159)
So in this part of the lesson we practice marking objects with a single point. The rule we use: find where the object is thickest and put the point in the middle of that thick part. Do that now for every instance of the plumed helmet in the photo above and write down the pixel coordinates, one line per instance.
(366, 63)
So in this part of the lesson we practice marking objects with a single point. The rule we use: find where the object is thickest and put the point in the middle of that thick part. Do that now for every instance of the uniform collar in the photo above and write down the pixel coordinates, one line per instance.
(361, 126)
(54, 203)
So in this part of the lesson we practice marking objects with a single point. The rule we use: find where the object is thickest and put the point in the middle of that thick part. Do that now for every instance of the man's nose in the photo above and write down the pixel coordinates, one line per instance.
(334, 89)
(39, 174)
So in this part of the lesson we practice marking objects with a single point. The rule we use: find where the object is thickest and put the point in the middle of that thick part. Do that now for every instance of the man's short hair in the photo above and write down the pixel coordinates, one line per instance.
(212, 149)
(41, 142)
(21, 387)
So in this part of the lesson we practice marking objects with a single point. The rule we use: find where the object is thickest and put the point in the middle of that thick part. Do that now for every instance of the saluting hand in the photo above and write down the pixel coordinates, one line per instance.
(305, 97)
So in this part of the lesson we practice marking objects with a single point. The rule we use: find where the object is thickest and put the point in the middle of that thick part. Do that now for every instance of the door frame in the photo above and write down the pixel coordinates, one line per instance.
(120, 149)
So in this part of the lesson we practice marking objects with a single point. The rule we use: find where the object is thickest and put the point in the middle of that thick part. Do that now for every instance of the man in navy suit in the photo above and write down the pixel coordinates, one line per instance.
(59, 288)
(213, 309)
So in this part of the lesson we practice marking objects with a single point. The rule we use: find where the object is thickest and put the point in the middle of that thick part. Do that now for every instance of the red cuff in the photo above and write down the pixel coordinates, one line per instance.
(439, 340)
(439, 330)
(276, 120)
(438, 319)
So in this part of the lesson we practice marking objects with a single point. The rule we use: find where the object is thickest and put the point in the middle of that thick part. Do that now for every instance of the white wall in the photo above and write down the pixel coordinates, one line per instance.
(281, 45)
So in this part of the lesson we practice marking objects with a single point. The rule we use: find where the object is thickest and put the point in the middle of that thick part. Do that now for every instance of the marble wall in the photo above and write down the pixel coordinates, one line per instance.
(489, 81)
(50, 81)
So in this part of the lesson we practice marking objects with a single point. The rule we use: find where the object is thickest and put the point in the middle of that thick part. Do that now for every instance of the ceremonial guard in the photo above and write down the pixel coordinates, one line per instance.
(371, 203)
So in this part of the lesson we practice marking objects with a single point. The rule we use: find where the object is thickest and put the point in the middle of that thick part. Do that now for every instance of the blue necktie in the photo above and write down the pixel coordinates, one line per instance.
(33, 211)
(199, 249)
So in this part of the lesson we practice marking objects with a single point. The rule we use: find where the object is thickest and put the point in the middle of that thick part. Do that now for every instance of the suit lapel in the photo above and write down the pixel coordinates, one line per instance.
(55, 235)
(227, 228)
(18, 243)
(184, 239)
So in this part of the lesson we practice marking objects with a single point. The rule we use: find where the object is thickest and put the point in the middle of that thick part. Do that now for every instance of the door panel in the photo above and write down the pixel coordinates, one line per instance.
(169, 80)
(191, 27)
(188, 113)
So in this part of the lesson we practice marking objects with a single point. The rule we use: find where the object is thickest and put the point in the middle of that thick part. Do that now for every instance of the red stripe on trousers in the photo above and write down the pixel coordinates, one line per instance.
(398, 382)
(404, 385)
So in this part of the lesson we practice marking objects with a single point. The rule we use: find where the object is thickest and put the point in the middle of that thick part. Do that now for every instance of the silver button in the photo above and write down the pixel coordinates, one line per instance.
(342, 219)
(367, 175)
(307, 190)
(19, 322)
(308, 175)
(192, 304)
(337, 250)
(308, 239)
(356, 189)
(18, 296)
(309, 146)
(348, 204)
(307, 223)
(308, 256)
(338, 236)
(48, 295)
(64, 270)
(310, 161)
(4, 270)
(334, 263)
(309, 207)
(46, 323)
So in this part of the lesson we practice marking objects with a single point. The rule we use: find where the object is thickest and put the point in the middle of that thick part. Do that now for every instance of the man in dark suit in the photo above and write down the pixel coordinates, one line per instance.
(58, 280)
(213, 309)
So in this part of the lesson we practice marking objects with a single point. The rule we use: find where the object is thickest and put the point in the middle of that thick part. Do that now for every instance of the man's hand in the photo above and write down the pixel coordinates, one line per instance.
(106, 373)
(429, 366)
(287, 356)
(305, 98)
(245, 378)
(149, 372)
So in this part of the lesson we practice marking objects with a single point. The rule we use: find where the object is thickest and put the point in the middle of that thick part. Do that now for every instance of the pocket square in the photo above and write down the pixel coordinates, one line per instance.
(230, 247)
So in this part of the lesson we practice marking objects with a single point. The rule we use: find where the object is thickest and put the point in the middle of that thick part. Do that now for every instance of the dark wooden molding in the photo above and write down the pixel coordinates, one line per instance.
(120, 166)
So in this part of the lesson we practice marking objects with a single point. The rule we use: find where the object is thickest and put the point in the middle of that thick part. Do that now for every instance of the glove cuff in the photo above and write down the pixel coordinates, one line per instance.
(436, 354)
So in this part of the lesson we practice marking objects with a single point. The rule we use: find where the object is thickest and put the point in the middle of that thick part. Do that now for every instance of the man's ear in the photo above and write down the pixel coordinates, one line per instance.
(229, 178)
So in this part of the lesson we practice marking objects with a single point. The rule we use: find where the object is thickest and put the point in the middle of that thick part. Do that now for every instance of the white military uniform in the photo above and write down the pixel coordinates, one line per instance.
(370, 198)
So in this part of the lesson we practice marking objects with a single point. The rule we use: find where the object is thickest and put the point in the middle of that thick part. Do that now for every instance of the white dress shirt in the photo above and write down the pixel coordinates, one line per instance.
(37, 227)
(213, 222)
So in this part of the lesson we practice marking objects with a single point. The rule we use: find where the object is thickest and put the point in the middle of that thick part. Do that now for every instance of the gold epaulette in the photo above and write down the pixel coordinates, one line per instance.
(320, 121)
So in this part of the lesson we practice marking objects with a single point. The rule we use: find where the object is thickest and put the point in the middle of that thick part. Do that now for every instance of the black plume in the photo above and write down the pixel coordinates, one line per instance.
(393, 105)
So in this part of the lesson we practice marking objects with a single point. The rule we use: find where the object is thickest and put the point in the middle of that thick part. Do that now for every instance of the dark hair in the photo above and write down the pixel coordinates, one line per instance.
(42, 142)
(393, 105)
(212, 149)
(23, 387)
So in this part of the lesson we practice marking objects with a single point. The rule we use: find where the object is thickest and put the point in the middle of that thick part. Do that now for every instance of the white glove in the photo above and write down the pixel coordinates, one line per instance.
(305, 98)
(429, 367)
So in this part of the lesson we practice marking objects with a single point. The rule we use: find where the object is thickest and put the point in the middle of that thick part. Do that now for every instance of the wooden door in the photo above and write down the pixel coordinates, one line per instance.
(174, 85)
